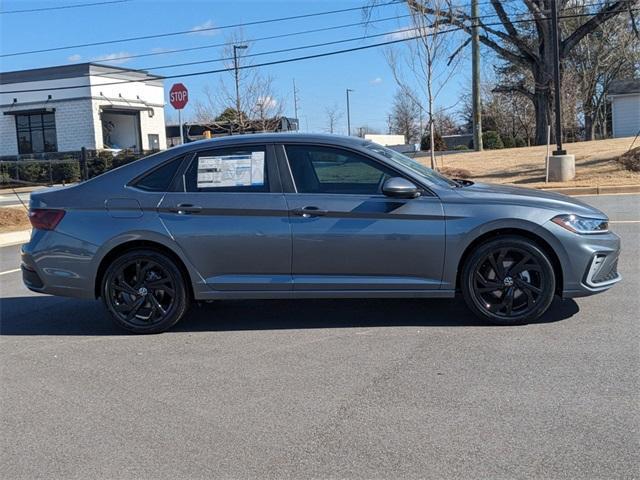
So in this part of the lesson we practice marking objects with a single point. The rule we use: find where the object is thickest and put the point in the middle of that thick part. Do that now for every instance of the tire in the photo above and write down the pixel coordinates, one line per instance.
(144, 291)
(508, 281)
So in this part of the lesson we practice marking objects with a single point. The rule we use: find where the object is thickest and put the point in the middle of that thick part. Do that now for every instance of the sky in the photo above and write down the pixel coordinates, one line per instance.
(321, 82)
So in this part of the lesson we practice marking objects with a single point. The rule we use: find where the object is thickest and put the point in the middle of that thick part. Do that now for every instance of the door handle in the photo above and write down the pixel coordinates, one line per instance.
(186, 209)
(308, 212)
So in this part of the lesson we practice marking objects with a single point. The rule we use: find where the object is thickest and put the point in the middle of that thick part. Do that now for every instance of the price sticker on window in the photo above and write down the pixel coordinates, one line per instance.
(237, 170)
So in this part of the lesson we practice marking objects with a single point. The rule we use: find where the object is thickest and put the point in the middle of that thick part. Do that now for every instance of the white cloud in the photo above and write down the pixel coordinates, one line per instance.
(267, 102)
(405, 33)
(376, 81)
(206, 28)
(116, 58)
(74, 58)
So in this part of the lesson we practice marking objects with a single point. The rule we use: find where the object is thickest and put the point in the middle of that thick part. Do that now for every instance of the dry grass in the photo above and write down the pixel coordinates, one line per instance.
(596, 164)
(13, 219)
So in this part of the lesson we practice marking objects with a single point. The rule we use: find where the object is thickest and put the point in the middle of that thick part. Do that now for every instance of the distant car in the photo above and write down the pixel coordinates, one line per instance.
(309, 216)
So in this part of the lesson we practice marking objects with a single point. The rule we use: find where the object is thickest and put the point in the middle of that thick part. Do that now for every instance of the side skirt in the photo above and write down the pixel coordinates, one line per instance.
(237, 295)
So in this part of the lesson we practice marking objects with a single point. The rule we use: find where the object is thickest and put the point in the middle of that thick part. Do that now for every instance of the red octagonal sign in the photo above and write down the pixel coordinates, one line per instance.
(178, 96)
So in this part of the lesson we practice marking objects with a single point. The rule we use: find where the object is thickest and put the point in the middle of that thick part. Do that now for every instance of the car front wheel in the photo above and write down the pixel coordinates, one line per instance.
(508, 281)
(145, 292)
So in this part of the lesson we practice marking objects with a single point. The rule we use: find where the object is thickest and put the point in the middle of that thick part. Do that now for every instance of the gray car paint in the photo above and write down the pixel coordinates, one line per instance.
(252, 246)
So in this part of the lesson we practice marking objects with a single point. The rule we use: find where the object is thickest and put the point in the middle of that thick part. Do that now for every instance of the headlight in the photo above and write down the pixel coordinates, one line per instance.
(582, 225)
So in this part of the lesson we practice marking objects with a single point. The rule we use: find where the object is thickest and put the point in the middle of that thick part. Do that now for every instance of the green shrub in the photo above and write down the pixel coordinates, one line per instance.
(508, 141)
(31, 172)
(491, 140)
(438, 142)
(66, 172)
(460, 147)
(520, 142)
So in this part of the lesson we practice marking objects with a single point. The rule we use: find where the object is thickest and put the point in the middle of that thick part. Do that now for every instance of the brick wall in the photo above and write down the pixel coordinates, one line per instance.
(8, 139)
(74, 126)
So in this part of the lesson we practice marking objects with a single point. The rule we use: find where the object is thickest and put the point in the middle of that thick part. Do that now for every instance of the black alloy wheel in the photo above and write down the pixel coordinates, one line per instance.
(508, 280)
(144, 292)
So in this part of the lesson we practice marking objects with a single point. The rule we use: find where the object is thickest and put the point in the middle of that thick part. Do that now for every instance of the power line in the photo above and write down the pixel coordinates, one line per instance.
(62, 7)
(199, 30)
(282, 50)
(259, 39)
(303, 47)
(289, 60)
(283, 35)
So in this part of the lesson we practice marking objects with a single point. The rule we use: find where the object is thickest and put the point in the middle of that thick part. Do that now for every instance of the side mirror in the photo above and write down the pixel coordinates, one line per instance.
(399, 187)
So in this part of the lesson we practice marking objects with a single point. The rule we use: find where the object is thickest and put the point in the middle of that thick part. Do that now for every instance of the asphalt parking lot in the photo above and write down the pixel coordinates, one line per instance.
(325, 389)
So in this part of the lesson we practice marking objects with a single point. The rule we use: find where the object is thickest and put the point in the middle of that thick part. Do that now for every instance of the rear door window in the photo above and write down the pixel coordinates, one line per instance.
(234, 169)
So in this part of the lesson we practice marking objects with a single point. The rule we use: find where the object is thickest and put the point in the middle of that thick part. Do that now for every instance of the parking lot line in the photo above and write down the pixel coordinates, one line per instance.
(624, 221)
(10, 271)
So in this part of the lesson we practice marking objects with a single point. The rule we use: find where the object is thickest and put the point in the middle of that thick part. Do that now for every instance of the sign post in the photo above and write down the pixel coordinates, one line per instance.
(178, 97)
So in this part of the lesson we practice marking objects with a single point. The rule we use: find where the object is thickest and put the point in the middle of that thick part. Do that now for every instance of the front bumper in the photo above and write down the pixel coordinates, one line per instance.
(589, 262)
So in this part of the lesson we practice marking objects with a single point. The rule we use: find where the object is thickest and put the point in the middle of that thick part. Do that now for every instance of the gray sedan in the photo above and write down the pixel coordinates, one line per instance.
(309, 216)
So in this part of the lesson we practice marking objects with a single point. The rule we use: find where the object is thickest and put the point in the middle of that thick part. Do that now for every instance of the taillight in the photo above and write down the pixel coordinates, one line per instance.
(44, 218)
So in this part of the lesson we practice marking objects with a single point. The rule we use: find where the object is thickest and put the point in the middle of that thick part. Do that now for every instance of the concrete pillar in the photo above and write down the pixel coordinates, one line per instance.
(562, 168)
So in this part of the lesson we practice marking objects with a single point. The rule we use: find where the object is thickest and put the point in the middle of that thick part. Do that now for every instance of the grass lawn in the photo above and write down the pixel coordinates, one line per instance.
(595, 164)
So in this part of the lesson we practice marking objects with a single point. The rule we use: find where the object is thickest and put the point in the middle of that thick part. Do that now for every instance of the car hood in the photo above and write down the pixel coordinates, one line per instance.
(504, 194)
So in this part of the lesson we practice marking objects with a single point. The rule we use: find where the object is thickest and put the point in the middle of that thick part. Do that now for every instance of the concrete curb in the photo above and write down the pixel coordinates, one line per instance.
(14, 238)
(598, 190)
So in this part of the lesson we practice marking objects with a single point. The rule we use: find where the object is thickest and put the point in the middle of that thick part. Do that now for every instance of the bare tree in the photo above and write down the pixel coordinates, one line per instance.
(529, 44)
(427, 58)
(260, 108)
(333, 115)
(445, 123)
(606, 55)
(404, 118)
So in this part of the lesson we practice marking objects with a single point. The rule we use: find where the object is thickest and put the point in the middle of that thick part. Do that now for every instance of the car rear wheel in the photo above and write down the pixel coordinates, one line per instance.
(508, 281)
(145, 292)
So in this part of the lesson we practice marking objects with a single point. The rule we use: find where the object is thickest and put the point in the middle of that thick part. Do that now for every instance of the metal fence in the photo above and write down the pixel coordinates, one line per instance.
(61, 167)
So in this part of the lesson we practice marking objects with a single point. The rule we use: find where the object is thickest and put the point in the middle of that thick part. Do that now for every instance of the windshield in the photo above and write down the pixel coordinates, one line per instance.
(411, 164)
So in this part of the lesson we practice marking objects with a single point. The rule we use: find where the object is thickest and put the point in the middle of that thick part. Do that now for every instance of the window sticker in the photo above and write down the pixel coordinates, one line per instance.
(242, 170)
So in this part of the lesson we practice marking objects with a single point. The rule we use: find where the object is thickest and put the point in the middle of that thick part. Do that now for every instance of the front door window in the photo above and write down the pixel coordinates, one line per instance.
(318, 169)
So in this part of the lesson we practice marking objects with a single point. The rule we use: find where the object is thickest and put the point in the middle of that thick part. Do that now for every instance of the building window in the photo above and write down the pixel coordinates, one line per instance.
(36, 133)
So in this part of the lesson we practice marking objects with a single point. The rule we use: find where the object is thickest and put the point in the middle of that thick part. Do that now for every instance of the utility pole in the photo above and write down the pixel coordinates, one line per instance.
(475, 73)
(556, 77)
(295, 102)
(236, 71)
(348, 113)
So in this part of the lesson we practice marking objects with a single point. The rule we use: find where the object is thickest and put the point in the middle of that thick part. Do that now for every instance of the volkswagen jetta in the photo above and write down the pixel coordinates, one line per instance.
(308, 216)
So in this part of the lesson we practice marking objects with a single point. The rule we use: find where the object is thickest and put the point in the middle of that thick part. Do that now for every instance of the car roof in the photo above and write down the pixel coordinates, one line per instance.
(285, 137)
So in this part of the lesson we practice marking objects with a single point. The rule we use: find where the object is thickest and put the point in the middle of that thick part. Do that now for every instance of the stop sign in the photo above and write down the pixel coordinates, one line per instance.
(178, 96)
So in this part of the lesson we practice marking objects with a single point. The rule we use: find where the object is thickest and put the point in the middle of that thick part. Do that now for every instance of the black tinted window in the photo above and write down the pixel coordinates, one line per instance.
(237, 169)
(159, 180)
(332, 170)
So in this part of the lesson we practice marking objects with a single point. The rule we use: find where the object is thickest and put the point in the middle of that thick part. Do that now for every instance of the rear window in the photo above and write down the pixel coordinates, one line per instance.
(159, 180)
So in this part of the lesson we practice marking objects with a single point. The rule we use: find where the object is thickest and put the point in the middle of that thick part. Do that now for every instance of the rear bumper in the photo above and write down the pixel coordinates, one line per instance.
(57, 264)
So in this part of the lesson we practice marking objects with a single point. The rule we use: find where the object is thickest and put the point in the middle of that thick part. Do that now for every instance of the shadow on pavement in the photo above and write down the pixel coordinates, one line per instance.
(45, 315)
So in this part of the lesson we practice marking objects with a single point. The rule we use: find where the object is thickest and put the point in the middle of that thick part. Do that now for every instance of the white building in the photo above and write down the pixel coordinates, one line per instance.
(625, 107)
(65, 108)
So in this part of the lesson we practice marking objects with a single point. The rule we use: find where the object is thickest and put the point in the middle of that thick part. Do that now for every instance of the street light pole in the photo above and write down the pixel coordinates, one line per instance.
(556, 77)
(348, 113)
(237, 76)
